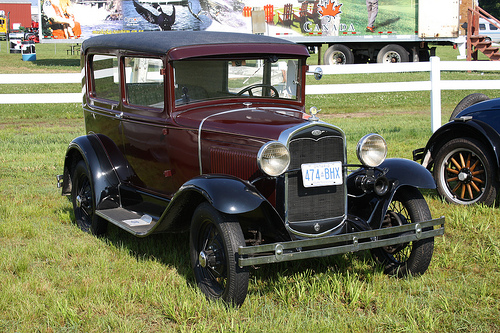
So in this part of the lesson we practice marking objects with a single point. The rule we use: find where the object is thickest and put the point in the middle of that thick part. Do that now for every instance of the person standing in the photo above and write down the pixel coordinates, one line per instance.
(372, 7)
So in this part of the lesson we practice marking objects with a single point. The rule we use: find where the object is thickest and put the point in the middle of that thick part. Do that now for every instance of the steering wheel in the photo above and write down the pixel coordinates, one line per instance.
(258, 85)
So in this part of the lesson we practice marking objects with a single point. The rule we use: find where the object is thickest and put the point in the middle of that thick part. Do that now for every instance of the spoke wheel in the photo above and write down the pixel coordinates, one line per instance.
(464, 172)
(214, 242)
(413, 258)
(82, 196)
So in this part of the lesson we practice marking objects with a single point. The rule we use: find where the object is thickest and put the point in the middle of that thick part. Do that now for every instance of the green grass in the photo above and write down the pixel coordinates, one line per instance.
(49, 58)
(56, 278)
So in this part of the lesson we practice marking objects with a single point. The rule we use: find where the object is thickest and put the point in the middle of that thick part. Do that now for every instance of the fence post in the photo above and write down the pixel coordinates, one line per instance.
(435, 94)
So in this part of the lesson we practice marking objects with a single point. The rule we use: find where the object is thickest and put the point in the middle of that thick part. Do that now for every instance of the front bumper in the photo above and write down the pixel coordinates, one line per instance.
(339, 244)
(418, 154)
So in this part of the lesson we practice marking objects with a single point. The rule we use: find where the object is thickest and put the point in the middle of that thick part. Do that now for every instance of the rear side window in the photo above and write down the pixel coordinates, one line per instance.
(105, 73)
(144, 82)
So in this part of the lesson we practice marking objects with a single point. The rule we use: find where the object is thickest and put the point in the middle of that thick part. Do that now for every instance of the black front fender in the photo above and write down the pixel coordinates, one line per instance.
(399, 172)
(476, 129)
(227, 194)
(406, 172)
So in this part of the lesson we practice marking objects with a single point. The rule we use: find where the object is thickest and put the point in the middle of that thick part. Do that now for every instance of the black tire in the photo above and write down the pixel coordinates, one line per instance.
(413, 258)
(468, 101)
(213, 245)
(392, 53)
(82, 196)
(338, 54)
(465, 171)
(423, 55)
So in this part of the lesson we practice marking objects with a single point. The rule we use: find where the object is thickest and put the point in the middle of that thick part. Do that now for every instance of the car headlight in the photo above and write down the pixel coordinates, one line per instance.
(273, 158)
(371, 150)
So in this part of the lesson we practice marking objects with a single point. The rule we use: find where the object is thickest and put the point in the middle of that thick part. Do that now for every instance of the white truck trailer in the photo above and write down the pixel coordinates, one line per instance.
(354, 31)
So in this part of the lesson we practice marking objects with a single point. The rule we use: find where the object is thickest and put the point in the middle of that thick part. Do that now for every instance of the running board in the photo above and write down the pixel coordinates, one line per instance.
(133, 222)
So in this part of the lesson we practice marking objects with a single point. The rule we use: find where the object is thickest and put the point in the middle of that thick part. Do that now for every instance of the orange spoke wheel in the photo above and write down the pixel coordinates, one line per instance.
(464, 172)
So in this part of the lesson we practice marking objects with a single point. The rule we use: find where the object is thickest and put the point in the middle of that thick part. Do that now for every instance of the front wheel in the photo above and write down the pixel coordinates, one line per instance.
(413, 258)
(464, 171)
(214, 241)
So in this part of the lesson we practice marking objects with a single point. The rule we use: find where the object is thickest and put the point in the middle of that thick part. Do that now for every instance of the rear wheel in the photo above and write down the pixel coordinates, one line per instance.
(214, 242)
(82, 196)
(338, 54)
(413, 258)
(392, 53)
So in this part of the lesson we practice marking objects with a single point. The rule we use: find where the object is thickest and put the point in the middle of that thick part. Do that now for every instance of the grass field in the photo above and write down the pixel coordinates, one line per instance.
(55, 278)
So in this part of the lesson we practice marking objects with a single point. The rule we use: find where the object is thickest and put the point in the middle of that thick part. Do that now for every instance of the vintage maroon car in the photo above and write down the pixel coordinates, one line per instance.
(207, 133)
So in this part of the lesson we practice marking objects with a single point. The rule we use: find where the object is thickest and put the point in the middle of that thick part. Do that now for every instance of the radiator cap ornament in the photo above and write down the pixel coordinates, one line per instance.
(313, 111)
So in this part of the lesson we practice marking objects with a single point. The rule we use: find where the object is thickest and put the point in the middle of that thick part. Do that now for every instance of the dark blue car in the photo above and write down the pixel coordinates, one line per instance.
(463, 154)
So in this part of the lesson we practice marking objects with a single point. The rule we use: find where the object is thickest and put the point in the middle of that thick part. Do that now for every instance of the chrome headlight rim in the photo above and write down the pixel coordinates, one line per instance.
(371, 150)
(265, 159)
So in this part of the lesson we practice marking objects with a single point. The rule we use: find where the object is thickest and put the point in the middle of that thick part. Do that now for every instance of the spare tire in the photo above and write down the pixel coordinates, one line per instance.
(468, 101)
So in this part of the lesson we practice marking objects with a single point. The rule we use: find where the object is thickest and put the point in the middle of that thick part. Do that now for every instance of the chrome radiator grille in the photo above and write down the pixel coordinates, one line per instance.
(323, 206)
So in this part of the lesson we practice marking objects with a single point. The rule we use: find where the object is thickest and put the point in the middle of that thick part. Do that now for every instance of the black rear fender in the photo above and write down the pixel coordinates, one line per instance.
(96, 151)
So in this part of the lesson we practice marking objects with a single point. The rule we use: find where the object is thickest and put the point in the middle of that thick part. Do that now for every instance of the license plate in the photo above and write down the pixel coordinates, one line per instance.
(322, 174)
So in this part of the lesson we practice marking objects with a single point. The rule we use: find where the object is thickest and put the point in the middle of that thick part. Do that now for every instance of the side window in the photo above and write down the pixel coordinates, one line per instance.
(144, 82)
(492, 27)
(482, 26)
(105, 72)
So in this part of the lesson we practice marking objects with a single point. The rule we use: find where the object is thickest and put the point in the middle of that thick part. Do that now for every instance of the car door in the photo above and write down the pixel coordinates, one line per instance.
(145, 124)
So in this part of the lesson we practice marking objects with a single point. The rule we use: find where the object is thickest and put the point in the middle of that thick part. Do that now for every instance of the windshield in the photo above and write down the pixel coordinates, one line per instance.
(197, 80)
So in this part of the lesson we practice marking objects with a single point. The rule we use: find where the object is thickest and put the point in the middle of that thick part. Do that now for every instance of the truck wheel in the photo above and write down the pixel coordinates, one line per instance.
(413, 258)
(392, 53)
(82, 196)
(464, 172)
(214, 241)
(468, 101)
(338, 54)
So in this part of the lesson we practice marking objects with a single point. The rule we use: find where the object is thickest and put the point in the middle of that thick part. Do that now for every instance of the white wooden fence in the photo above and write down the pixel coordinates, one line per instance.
(435, 85)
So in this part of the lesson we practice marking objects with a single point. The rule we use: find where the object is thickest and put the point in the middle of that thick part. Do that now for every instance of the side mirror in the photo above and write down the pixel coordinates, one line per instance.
(318, 73)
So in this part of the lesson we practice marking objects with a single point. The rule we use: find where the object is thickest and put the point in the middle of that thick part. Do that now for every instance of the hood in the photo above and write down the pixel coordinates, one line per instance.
(256, 122)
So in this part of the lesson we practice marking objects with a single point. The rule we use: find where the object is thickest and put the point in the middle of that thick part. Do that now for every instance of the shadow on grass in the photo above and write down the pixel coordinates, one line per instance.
(388, 22)
(58, 62)
(173, 250)
(167, 249)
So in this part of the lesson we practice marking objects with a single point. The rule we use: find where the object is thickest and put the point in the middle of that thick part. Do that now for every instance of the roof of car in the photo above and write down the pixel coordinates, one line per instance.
(162, 42)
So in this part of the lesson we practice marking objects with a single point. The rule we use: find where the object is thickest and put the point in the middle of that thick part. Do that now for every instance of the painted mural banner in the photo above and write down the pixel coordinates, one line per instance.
(78, 20)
